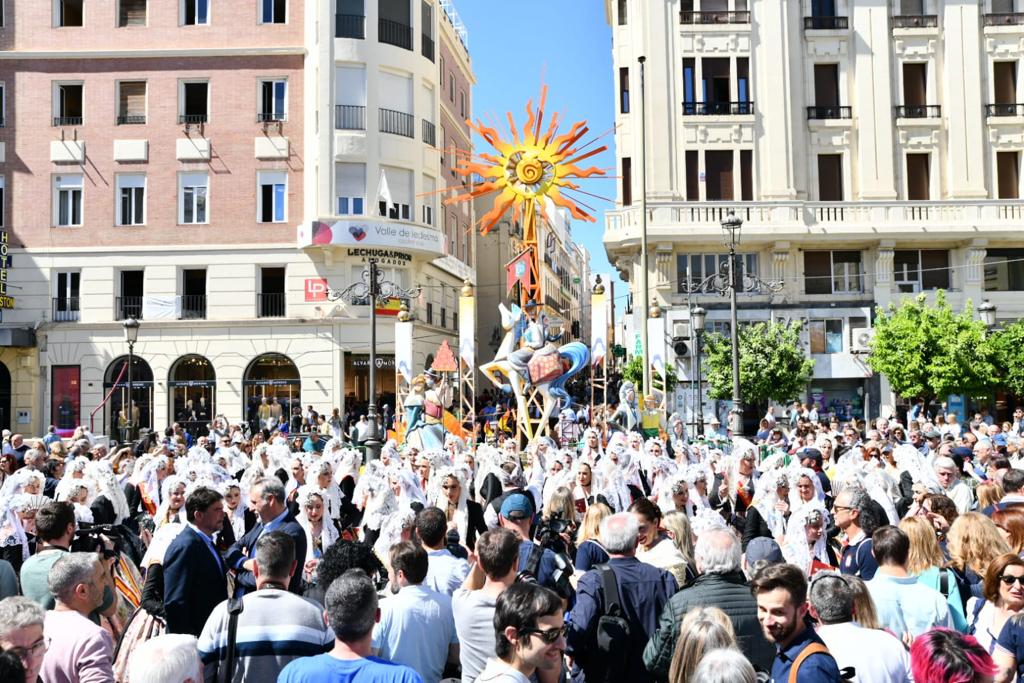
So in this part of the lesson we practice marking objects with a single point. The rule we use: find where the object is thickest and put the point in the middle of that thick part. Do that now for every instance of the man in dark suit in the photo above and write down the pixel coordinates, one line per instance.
(268, 499)
(194, 572)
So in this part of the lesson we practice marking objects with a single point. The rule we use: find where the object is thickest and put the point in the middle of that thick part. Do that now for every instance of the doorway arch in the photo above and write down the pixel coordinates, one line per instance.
(192, 393)
(271, 391)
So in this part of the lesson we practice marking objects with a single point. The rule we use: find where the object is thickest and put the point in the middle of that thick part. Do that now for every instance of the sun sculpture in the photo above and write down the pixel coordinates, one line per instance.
(529, 174)
(523, 174)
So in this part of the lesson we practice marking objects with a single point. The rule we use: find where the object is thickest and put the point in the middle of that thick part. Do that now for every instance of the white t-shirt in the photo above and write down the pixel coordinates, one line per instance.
(888, 660)
(498, 671)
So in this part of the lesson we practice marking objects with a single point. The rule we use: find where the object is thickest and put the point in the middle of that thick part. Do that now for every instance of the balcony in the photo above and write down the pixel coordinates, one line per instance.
(349, 117)
(918, 111)
(270, 305)
(714, 17)
(718, 108)
(269, 117)
(67, 121)
(1009, 19)
(826, 23)
(349, 26)
(131, 119)
(193, 307)
(128, 307)
(394, 33)
(396, 123)
(1004, 109)
(65, 309)
(428, 47)
(190, 119)
(828, 112)
(429, 136)
(915, 21)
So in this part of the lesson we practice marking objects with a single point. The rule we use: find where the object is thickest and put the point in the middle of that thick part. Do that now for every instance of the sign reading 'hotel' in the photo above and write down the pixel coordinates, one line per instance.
(5, 260)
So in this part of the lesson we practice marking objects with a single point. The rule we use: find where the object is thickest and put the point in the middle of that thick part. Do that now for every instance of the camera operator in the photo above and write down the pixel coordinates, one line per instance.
(516, 515)
(55, 531)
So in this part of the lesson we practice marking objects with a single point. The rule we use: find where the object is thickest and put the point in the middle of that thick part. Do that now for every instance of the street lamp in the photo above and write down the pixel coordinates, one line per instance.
(697, 318)
(987, 313)
(374, 287)
(131, 335)
(729, 280)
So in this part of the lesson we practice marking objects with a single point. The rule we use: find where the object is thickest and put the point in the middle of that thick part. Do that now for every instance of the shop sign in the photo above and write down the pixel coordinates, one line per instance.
(385, 257)
(370, 232)
(5, 262)
(315, 289)
(362, 360)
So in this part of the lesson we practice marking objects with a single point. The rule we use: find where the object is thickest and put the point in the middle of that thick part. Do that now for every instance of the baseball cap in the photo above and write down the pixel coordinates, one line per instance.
(517, 507)
(811, 454)
(932, 434)
(764, 548)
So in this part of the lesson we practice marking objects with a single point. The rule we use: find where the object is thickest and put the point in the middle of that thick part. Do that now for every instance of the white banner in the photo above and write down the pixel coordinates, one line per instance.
(161, 307)
(598, 327)
(467, 330)
(656, 339)
(403, 350)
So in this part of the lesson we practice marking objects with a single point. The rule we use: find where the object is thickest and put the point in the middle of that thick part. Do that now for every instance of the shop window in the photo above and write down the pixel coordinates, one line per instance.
(66, 396)
(1004, 270)
(826, 336)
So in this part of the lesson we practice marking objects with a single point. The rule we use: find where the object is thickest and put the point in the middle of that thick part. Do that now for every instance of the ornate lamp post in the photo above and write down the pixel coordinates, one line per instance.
(987, 313)
(697, 318)
(729, 280)
(374, 287)
(131, 335)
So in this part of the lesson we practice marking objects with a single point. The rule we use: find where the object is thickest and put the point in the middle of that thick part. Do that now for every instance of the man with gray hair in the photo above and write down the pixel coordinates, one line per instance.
(351, 612)
(643, 591)
(831, 603)
(948, 476)
(79, 650)
(268, 499)
(170, 658)
(721, 583)
(854, 513)
(21, 633)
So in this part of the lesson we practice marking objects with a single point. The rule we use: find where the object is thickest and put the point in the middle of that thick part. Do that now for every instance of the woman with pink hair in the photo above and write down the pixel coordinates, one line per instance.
(942, 655)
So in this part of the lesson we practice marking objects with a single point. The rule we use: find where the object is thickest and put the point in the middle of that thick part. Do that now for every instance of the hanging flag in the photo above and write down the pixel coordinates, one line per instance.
(518, 270)
(384, 195)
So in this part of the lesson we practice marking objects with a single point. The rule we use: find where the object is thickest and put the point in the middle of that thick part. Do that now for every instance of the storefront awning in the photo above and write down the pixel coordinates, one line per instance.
(17, 337)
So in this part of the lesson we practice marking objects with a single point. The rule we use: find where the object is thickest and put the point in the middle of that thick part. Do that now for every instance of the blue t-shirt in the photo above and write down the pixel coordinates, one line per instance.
(546, 568)
(1011, 639)
(818, 668)
(327, 668)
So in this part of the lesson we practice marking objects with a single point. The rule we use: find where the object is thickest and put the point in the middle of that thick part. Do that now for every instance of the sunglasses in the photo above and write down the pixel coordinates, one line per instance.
(1010, 580)
(550, 635)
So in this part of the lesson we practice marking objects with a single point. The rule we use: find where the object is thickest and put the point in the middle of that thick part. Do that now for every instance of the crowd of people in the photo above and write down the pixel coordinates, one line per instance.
(815, 551)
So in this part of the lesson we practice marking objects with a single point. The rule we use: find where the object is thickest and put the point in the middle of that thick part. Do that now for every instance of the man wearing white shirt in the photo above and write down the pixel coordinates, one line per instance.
(445, 572)
(949, 481)
(831, 603)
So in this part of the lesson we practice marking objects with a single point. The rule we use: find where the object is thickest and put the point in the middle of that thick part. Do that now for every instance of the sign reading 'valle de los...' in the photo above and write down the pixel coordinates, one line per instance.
(5, 261)
(370, 232)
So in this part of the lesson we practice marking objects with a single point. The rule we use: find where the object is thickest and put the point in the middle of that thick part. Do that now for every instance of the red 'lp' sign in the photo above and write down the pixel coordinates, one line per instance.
(316, 289)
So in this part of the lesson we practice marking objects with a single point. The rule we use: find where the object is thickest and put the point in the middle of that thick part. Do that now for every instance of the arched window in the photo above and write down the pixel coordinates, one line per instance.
(192, 389)
(271, 391)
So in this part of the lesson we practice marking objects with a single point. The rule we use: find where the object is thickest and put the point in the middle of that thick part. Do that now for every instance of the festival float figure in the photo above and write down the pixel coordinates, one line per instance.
(627, 416)
(424, 406)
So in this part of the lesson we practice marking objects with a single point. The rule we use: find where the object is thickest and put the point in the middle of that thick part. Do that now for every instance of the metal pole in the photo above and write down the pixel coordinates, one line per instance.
(644, 294)
(700, 397)
(128, 413)
(737, 402)
(372, 441)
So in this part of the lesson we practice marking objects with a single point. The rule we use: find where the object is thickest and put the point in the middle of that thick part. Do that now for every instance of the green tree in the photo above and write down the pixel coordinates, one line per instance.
(634, 372)
(1008, 346)
(930, 351)
(773, 366)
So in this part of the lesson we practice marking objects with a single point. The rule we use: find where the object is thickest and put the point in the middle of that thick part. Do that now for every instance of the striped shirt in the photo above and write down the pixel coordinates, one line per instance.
(274, 628)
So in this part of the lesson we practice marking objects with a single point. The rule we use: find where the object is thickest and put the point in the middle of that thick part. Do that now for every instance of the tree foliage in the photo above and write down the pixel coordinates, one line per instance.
(930, 351)
(1008, 347)
(634, 372)
(773, 366)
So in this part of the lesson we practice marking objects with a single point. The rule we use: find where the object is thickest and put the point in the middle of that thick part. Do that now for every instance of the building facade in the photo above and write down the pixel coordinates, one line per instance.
(872, 150)
(175, 166)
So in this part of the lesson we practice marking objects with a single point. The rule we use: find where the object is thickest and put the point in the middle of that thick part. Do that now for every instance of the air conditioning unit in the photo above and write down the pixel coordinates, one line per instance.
(862, 337)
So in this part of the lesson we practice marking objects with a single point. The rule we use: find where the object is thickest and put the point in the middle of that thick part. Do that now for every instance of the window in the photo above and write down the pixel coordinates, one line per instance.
(832, 272)
(430, 313)
(689, 85)
(915, 86)
(627, 181)
(65, 297)
(918, 177)
(131, 13)
(273, 100)
(195, 12)
(830, 177)
(1004, 270)
(3, 197)
(826, 85)
(1008, 171)
(451, 87)
(69, 12)
(743, 82)
(622, 16)
(131, 199)
(692, 175)
(67, 200)
(193, 294)
(826, 336)
(68, 104)
(746, 175)
(131, 102)
(195, 99)
(700, 266)
(429, 197)
(399, 183)
(462, 104)
(718, 175)
(66, 383)
(915, 270)
(273, 11)
(715, 84)
(271, 296)
(1003, 6)
(823, 8)
(350, 188)
(129, 304)
(193, 198)
(3, 102)
(624, 90)
(1004, 76)
(444, 317)
(273, 192)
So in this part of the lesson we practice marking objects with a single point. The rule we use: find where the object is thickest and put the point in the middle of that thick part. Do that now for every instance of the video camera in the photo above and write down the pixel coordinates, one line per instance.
(89, 538)
(548, 538)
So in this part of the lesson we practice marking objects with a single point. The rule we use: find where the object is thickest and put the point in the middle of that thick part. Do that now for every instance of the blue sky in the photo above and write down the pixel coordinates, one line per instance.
(567, 43)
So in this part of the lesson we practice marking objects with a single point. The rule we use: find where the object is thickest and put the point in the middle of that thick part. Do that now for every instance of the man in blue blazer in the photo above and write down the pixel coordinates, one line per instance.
(267, 498)
(194, 572)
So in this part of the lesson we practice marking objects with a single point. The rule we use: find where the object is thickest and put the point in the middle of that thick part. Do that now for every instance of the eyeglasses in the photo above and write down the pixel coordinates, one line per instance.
(842, 507)
(1009, 580)
(33, 650)
(550, 635)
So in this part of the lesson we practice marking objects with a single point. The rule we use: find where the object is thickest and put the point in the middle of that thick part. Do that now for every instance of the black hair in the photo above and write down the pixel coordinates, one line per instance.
(53, 518)
(521, 605)
(785, 576)
(343, 555)
(431, 526)
(411, 559)
(890, 545)
(200, 500)
(1013, 481)
(498, 552)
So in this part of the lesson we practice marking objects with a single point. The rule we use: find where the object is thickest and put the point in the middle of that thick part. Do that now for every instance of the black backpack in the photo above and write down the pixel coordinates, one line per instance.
(613, 632)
